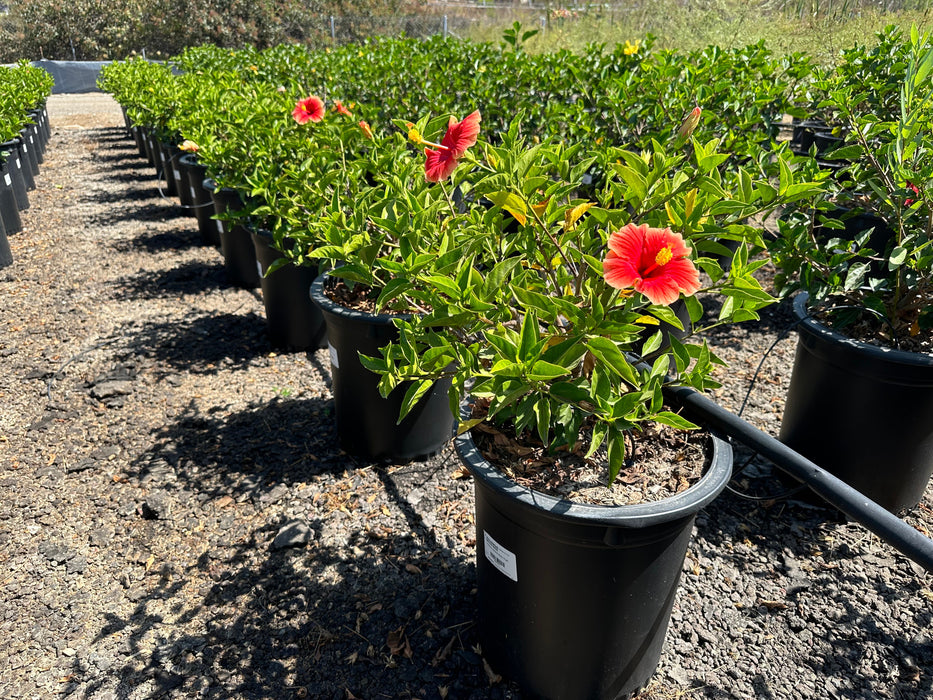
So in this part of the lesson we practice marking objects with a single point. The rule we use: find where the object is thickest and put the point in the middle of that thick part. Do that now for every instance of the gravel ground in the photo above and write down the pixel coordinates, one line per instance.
(177, 519)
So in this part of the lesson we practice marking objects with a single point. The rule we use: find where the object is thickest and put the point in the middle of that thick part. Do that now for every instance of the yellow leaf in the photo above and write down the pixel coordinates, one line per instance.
(519, 216)
(648, 321)
(573, 215)
(540, 207)
(690, 203)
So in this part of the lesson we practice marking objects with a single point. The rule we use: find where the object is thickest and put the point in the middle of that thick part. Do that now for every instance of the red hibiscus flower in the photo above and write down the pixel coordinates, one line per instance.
(340, 108)
(460, 136)
(310, 109)
(652, 260)
(916, 191)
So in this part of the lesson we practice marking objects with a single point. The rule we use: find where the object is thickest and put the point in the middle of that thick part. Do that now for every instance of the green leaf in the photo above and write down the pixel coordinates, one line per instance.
(543, 416)
(529, 338)
(616, 452)
(609, 355)
(674, 420)
(543, 371)
(414, 393)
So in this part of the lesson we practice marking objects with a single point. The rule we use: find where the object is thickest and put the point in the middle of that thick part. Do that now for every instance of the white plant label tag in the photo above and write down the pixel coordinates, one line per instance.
(259, 268)
(500, 557)
(193, 193)
(177, 175)
(333, 356)
(8, 180)
(19, 165)
(220, 225)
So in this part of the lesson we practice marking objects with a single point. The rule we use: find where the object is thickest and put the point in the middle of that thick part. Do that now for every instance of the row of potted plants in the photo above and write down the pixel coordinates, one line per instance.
(24, 133)
(482, 276)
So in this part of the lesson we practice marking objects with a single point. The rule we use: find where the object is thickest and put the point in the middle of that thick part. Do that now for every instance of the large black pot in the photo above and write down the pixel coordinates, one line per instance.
(861, 412)
(202, 206)
(236, 243)
(574, 599)
(367, 423)
(293, 321)
(14, 165)
(9, 208)
(36, 147)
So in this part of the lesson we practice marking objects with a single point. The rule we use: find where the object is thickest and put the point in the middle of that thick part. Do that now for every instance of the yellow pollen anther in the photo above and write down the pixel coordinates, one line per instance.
(664, 256)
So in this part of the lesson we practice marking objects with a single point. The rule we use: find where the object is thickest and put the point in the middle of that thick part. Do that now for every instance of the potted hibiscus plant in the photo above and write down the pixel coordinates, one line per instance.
(382, 224)
(864, 363)
(552, 321)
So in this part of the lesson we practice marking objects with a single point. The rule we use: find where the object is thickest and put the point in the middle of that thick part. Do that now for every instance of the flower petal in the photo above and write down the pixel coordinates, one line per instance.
(438, 165)
(462, 135)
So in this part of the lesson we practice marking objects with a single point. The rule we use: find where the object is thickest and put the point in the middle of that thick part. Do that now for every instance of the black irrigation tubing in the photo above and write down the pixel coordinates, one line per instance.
(896, 532)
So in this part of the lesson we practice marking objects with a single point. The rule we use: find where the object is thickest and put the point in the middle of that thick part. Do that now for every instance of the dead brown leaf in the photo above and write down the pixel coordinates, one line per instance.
(398, 643)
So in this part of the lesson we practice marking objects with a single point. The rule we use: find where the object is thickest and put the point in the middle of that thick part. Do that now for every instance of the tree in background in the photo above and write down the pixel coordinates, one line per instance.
(88, 30)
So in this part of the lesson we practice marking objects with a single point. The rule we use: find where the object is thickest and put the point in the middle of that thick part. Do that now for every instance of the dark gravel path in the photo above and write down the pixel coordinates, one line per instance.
(176, 518)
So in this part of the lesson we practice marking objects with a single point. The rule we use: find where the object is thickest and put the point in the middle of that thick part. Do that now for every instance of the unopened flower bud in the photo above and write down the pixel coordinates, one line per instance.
(689, 125)
(367, 130)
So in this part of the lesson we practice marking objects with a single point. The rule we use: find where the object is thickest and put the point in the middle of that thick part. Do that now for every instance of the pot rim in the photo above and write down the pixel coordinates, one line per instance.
(640, 515)
(901, 357)
(325, 303)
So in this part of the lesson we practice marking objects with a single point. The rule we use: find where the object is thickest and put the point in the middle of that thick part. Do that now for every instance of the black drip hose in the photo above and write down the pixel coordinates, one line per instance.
(833, 490)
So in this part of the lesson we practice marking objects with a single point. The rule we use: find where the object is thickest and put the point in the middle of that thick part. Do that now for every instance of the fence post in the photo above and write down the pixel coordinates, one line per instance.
(333, 34)
(445, 26)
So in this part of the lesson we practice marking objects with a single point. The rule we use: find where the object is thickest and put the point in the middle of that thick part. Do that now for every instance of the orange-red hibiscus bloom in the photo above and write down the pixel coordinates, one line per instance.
(310, 109)
(460, 136)
(652, 260)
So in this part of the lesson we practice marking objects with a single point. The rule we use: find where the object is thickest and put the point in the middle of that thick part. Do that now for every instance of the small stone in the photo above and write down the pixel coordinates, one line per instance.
(80, 465)
(68, 651)
(111, 388)
(274, 495)
(294, 534)
(56, 553)
(157, 506)
(77, 565)
(100, 537)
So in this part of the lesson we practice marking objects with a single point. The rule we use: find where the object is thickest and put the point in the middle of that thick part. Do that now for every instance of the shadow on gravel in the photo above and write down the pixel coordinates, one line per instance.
(158, 210)
(201, 345)
(369, 599)
(191, 277)
(155, 242)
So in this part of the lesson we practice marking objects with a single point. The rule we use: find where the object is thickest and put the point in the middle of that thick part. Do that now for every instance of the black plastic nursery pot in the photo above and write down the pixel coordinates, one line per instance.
(168, 155)
(367, 423)
(35, 142)
(14, 166)
(30, 156)
(6, 255)
(22, 165)
(862, 412)
(138, 135)
(293, 321)
(202, 206)
(9, 209)
(236, 243)
(574, 600)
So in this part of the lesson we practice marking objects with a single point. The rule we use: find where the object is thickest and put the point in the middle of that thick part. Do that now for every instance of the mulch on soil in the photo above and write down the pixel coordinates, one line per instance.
(176, 518)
